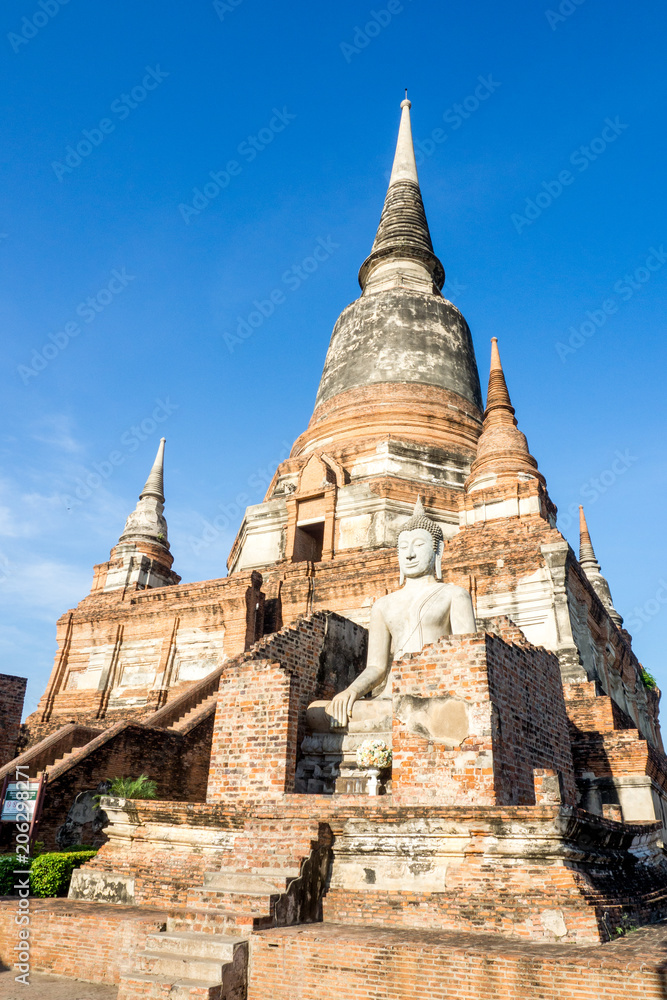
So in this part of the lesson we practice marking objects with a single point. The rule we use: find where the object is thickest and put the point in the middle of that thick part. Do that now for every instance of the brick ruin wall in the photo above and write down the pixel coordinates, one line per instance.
(12, 695)
(124, 654)
(262, 701)
(308, 963)
(527, 872)
(517, 719)
(76, 940)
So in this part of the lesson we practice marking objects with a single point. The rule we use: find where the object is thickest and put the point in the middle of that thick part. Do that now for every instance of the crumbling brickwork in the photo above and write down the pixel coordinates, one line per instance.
(124, 654)
(512, 695)
(12, 694)
(76, 940)
(178, 763)
(262, 700)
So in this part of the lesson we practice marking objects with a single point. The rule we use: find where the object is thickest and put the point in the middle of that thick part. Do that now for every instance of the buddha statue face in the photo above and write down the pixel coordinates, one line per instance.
(417, 553)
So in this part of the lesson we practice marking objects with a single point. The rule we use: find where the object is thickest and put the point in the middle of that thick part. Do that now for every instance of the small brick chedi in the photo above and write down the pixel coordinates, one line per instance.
(404, 582)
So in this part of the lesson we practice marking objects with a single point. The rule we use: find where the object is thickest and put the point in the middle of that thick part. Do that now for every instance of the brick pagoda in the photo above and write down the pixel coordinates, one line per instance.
(519, 840)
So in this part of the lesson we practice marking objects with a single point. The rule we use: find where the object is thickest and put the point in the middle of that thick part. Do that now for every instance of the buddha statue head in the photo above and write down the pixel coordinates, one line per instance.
(420, 543)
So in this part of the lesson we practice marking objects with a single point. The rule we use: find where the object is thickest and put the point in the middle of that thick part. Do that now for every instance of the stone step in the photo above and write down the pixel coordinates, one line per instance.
(250, 883)
(179, 966)
(257, 903)
(144, 986)
(193, 945)
(212, 921)
(288, 873)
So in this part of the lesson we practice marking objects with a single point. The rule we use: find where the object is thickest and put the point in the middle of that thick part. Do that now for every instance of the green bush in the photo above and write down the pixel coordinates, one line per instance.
(142, 787)
(9, 863)
(50, 874)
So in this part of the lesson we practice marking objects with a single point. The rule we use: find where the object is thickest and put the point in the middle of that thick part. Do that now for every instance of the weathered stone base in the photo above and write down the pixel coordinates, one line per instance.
(329, 764)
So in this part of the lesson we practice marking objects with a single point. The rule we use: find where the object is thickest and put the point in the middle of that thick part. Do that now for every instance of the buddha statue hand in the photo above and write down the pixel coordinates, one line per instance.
(340, 707)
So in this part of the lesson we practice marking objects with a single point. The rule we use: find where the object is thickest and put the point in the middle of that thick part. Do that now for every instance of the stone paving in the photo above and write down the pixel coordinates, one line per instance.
(44, 987)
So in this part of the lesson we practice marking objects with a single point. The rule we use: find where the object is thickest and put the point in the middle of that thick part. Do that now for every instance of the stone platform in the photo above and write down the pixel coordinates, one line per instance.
(42, 987)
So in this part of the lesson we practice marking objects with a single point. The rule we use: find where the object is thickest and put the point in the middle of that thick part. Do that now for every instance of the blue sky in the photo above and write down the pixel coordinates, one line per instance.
(544, 195)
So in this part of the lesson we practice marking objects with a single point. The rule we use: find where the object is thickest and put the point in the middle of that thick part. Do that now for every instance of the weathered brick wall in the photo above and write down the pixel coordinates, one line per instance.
(12, 694)
(262, 701)
(517, 722)
(315, 961)
(428, 770)
(526, 690)
(142, 630)
(82, 941)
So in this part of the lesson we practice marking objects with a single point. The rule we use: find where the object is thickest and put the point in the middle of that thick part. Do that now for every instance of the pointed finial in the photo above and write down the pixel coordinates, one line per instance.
(405, 166)
(502, 449)
(584, 535)
(418, 510)
(591, 567)
(403, 231)
(155, 483)
(405, 103)
(497, 395)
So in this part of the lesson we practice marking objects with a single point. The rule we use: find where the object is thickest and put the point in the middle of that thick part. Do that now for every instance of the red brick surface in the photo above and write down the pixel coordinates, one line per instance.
(360, 963)
(83, 940)
(12, 693)
(515, 697)
(260, 714)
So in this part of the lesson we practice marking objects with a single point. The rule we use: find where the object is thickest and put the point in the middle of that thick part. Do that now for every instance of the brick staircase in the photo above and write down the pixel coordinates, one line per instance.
(180, 963)
(179, 716)
(204, 951)
(52, 750)
(195, 714)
